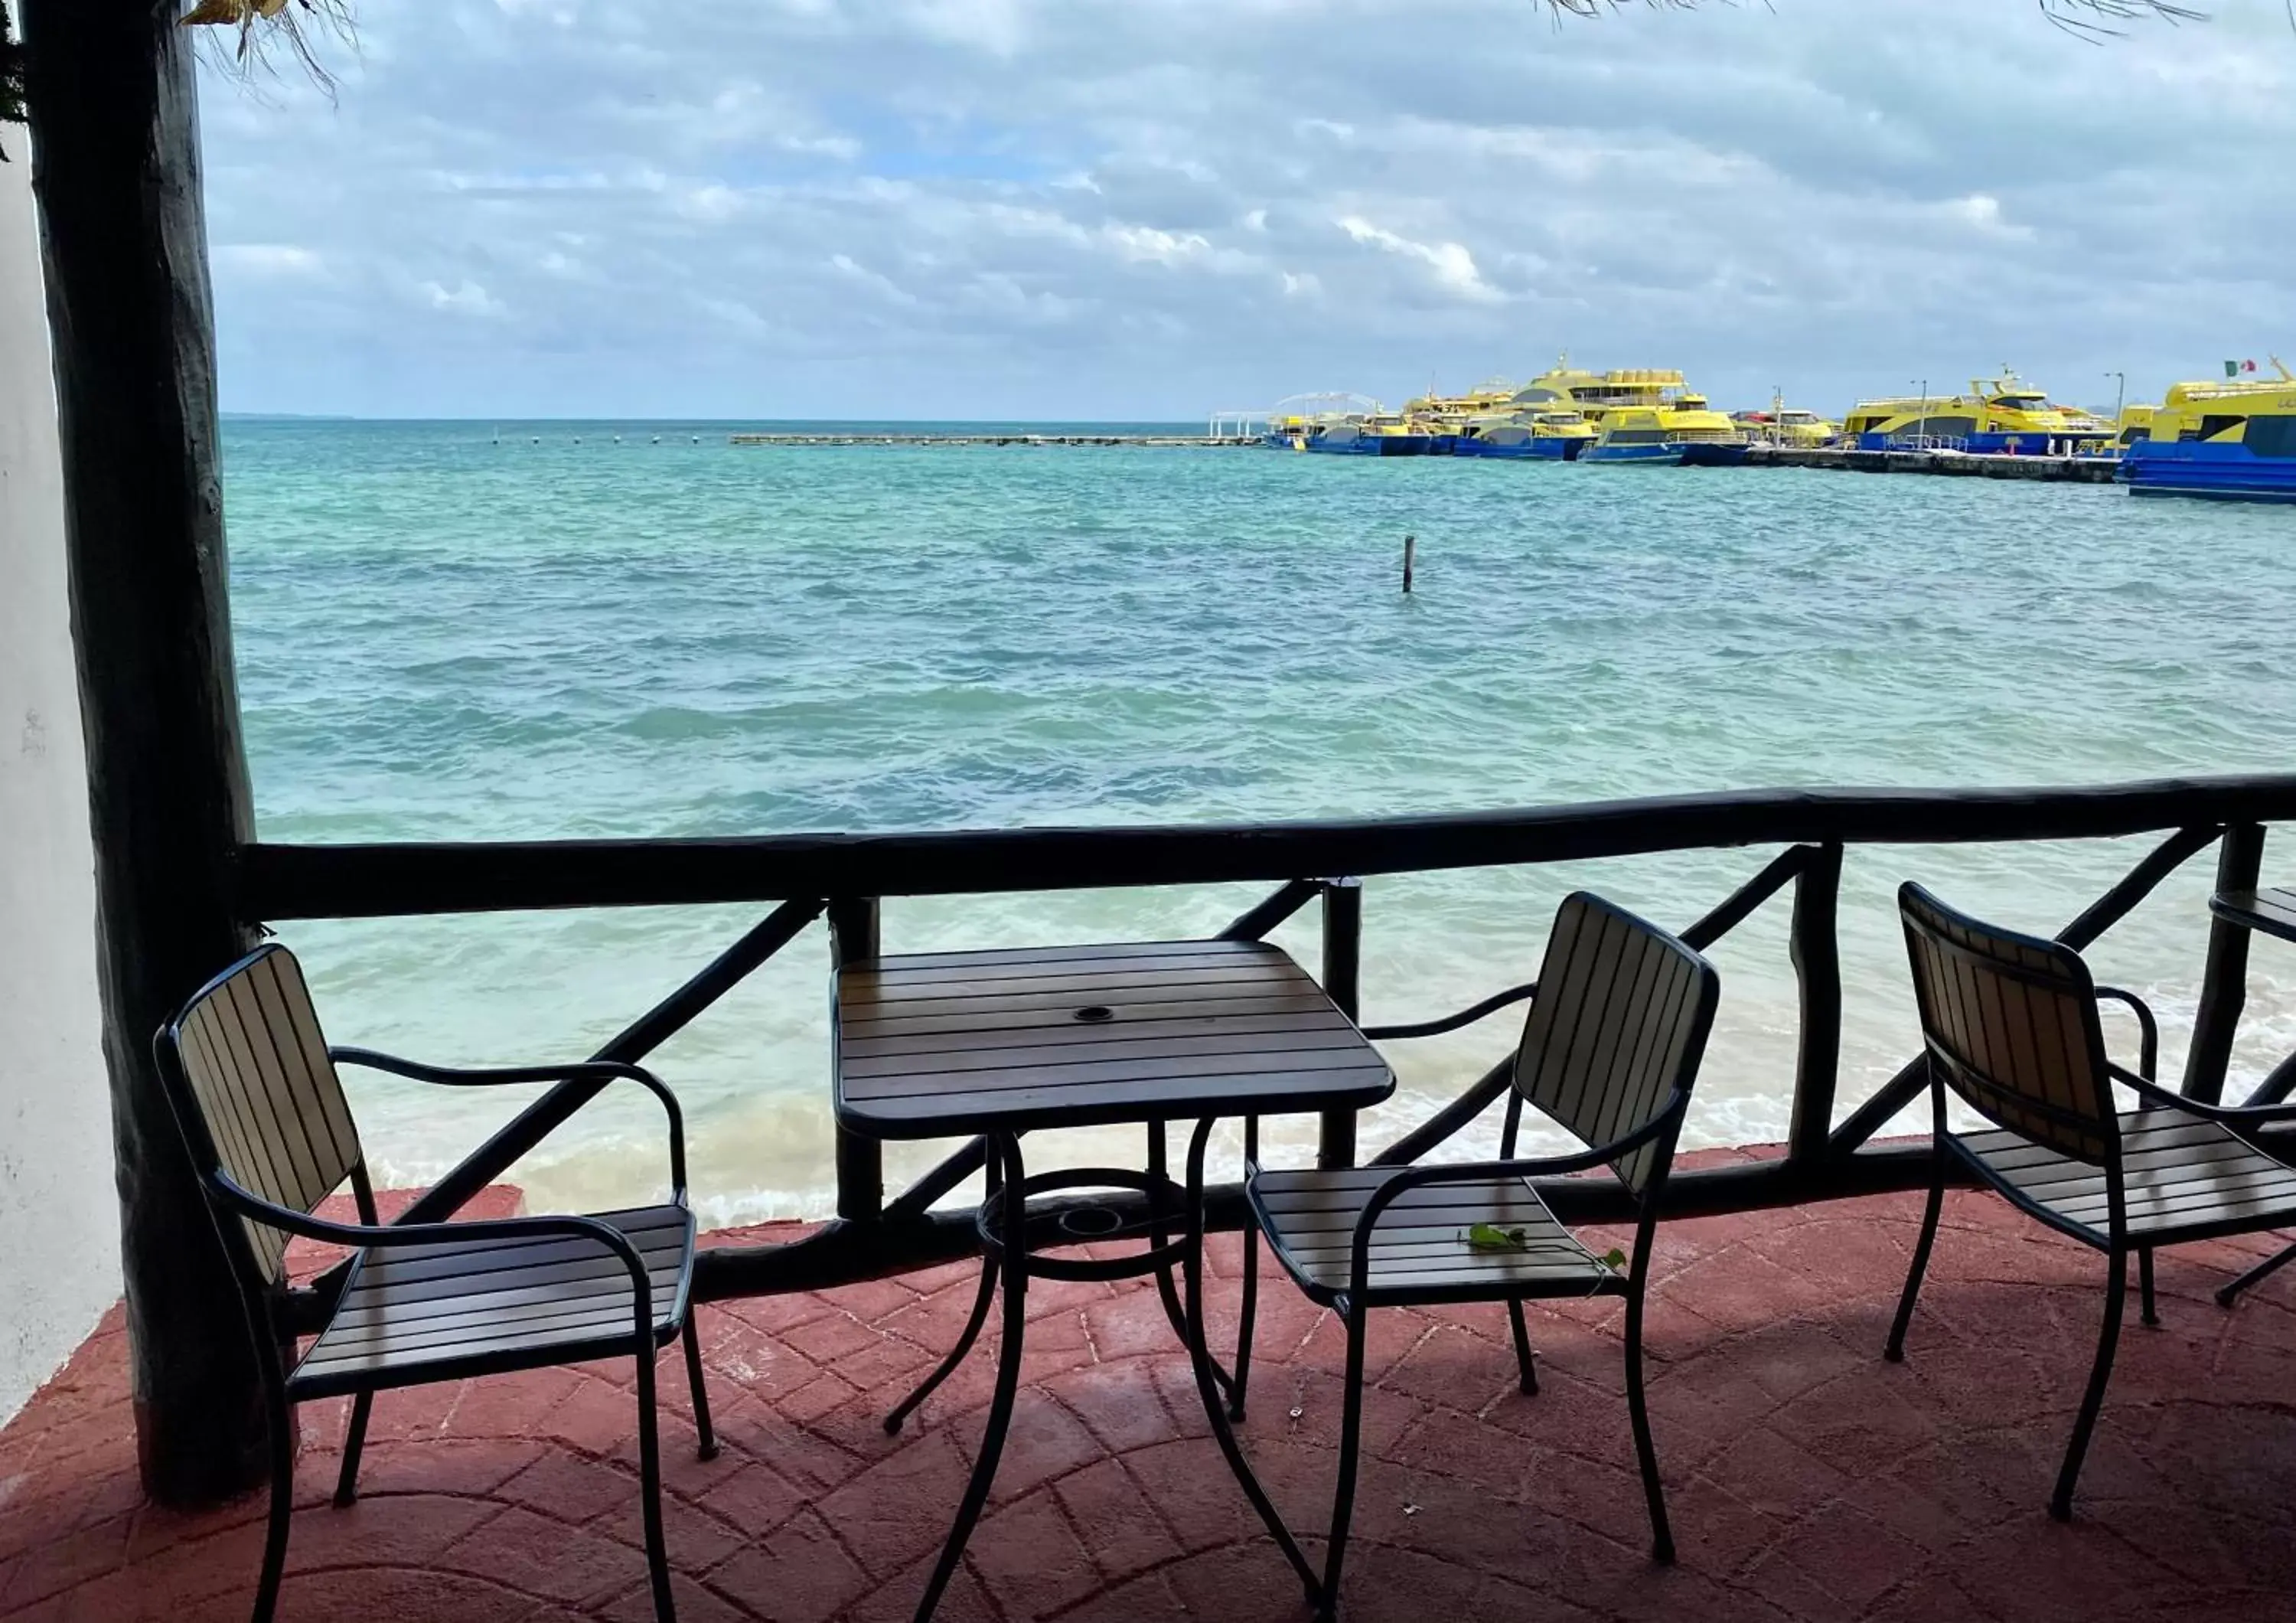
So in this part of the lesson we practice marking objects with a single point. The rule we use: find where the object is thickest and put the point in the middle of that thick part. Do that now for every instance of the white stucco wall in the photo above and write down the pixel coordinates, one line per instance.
(58, 1217)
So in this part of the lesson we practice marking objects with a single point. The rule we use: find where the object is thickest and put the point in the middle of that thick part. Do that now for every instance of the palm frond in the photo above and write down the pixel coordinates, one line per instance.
(11, 74)
(265, 26)
(2093, 17)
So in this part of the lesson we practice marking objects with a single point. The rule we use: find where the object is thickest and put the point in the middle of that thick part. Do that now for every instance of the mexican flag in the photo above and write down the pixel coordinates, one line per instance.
(2233, 369)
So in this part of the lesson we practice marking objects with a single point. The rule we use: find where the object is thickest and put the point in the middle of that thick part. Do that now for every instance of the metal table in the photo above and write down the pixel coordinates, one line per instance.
(1004, 1043)
(2269, 911)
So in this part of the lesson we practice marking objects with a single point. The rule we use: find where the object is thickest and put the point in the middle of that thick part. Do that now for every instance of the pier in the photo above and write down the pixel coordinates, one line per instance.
(1187, 442)
(1960, 464)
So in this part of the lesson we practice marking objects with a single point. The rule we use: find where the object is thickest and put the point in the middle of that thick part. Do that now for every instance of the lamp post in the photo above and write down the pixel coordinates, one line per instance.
(2119, 398)
(1921, 432)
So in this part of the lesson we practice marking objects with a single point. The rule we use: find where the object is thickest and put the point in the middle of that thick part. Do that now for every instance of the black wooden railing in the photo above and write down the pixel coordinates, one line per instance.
(842, 875)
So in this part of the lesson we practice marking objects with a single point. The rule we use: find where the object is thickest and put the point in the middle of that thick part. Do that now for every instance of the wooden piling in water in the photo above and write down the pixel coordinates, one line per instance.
(1410, 547)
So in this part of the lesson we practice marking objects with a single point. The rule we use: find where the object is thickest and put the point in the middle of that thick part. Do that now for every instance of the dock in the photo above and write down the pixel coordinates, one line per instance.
(1958, 464)
(1181, 441)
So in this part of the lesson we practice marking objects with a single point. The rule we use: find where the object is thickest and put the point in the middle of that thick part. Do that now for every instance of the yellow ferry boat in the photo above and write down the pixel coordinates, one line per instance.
(2235, 441)
(1546, 433)
(1789, 426)
(1641, 414)
(1443, 417)
(2000, 415)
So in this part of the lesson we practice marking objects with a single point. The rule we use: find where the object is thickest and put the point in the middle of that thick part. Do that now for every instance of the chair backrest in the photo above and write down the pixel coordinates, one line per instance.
(1619, 1022)
(2011, 1025)
(256, 1096)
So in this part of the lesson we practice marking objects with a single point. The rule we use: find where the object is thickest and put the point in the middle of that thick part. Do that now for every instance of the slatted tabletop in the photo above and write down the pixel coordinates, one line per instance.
(934, 1045)
(2272, 911)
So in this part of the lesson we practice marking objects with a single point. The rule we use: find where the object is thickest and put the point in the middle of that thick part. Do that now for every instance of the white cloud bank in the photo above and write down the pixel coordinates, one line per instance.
(1071, 208)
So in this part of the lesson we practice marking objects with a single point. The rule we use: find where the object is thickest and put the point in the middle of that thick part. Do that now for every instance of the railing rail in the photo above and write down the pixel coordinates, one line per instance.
(366, 881)
(874, 1236)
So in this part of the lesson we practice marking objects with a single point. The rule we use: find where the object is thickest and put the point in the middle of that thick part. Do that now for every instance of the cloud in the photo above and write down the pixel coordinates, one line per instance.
(268, 261)
(1008, 208)
(463, 299)
(1453, 265)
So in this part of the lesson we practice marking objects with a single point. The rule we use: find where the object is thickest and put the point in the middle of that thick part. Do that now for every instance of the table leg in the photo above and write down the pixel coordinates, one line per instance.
(1007, 1149)
(1249, 1311)
(980, 1316)
(1207, 1387)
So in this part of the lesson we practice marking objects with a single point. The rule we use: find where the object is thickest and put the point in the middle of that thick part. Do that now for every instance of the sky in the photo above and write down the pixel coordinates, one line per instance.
(1152, 209)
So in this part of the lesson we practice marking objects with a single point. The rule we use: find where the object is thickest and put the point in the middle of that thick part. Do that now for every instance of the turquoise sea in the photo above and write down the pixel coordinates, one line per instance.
(475, 630)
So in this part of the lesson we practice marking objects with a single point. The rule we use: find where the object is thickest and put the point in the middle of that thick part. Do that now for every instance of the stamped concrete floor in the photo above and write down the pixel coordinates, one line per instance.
(1808, 1480)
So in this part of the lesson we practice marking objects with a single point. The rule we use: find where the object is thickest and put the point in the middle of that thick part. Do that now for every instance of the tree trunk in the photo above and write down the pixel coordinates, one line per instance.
(115, 151)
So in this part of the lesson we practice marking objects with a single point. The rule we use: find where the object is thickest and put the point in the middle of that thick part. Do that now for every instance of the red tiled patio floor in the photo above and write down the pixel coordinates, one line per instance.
(1808, 1480)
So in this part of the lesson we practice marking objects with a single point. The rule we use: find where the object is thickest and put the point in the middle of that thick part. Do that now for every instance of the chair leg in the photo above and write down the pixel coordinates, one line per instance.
(1248, 1315)
(947, 1367)
(1168, 1284)
(665, 1607)
(1895, 1351)
(706, 1432)
(2263, 1271)
(1638, 1412)
(282, 1505)
(2145, 1280)
(1343, 1492)
(2116, 1288)
(1199, 1359)
(354, 1442)
(1525, 1363)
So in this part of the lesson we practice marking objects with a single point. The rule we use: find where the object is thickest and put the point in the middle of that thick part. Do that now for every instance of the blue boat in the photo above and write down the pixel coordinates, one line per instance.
(1999, 416)
(1657, 454)
(2024, 443)
(1519, 443)
(2234, 441)
(1348, 439)
(2240, 471)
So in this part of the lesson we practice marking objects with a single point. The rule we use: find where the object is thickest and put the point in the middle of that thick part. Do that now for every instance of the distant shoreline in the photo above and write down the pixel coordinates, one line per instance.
(867, 425)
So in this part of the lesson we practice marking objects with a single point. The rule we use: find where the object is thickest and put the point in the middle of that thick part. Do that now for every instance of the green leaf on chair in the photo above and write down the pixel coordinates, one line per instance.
(1488, 1237)
(1614, 1258)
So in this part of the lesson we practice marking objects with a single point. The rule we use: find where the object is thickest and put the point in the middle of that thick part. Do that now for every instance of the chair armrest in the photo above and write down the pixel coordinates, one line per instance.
(492, 1076)
(1408, 1178)
(1452, 1022)
(2148, 1061)
(2231, 1116)
(361, 1234)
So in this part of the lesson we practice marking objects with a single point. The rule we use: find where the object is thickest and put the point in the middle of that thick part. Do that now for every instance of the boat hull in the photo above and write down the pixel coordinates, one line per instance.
(1551, 448)
(1661, 456)
(1373, 445)
(2189, 467)
(2026, 442)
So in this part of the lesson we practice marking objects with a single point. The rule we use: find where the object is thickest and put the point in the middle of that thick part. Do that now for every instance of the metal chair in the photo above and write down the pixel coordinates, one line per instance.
(254, 1089)
(1618, 1024)
(2012, 1028)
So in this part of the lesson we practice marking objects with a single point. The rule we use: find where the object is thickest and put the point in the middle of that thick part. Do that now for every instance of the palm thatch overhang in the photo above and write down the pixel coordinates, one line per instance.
(12, 74)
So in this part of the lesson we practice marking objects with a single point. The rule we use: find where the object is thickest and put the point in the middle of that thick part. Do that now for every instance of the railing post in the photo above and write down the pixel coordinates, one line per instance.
(853, 939)
(1335, 1145)
(1816, 952)
(2224, 984)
